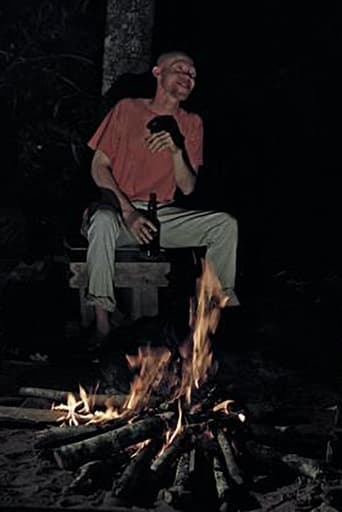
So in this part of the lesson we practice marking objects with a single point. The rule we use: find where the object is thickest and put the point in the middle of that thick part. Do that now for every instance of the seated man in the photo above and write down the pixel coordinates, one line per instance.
(132, 161)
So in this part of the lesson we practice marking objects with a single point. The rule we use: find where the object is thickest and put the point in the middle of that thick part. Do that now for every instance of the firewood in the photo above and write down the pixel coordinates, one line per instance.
(167, 459)
(229, 458)
(222, 486)
(60, 396)
(102, 445)
(136, 470)
(91, 476)
(302, 465)
(27, 416)
(179, 494)
(57, 436)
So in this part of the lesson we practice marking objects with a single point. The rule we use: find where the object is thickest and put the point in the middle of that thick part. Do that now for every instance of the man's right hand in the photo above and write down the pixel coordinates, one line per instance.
(140, 226)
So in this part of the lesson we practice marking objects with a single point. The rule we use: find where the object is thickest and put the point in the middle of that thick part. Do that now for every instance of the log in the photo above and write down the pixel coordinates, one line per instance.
(167, 459)
(136, 471)
(229, 458)
(99, 447)
(90, 477)
(27, 416)
(57, 436)
(60, 396)
(222, 486)
(179, 494)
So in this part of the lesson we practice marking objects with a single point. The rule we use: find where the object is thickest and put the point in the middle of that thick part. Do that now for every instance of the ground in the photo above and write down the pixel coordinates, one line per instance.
(281, 347)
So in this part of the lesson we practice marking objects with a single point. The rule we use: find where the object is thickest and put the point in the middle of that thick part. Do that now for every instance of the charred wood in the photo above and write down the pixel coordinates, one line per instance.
(221, 482)
(27, 416)
(55, 395)
(57, 436)
(179, 494)
(166, 461)
(229, 457)
(102, 445)
(91, 476)
(137, 470)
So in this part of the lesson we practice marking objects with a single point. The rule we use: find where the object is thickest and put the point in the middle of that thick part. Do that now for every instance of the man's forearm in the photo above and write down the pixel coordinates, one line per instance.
(103, 178)
(184, 175)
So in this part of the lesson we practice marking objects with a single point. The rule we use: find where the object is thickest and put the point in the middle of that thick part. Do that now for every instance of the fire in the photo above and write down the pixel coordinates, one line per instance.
(153, 364)
(196, 352)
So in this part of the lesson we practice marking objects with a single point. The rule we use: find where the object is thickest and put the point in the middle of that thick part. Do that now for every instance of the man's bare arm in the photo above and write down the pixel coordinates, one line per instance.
(102, 175)
(185, 176)
(138, 224)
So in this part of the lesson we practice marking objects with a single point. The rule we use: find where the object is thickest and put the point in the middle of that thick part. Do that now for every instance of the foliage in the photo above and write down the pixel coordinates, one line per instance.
(50, 77)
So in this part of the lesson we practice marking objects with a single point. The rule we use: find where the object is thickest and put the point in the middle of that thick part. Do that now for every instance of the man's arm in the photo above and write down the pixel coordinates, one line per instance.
(102, 175)
(138, 224)
(185, 175)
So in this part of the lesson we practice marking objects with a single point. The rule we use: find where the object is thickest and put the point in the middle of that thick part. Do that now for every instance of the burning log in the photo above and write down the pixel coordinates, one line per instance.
(57, 436)
(179, 495)
(98, 447)
(303, 465)
(229, 457)
(55, 395)
(168, 458)
(127, 485)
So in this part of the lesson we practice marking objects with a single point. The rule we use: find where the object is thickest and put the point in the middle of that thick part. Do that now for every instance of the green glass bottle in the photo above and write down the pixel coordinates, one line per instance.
(152, 249)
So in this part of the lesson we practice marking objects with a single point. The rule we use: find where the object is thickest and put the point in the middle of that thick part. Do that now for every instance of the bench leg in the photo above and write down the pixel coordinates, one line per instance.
(144, 302)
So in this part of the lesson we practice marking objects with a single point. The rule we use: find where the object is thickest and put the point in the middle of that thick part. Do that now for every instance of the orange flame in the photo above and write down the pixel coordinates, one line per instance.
(153, 363)
(196, 352)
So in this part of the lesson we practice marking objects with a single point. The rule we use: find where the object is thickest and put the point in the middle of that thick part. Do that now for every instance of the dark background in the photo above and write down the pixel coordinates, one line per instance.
(268, 91)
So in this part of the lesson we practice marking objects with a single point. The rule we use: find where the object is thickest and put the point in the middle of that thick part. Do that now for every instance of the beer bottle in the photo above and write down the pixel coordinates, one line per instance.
(152, 248)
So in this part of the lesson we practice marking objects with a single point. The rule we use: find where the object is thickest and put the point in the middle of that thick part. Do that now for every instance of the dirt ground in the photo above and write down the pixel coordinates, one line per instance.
(281, 348)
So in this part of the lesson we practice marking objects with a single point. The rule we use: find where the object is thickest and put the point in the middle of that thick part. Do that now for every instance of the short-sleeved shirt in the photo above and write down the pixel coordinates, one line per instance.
(137, 171)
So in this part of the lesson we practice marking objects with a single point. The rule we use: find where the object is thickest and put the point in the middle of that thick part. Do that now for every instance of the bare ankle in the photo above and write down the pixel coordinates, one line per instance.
(102, 321)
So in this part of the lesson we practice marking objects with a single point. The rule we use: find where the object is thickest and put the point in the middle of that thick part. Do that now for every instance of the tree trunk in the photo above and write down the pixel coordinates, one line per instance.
(128, 39)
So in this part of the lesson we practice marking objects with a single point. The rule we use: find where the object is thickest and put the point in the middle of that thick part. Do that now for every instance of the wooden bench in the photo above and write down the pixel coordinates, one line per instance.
(139, 276)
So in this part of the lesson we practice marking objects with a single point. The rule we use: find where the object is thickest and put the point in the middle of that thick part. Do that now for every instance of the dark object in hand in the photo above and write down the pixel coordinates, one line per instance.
(152, 248)
(169, 124)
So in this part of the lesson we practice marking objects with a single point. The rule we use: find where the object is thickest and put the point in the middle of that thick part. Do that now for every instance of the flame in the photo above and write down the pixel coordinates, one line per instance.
(196, 352)
(153, 364)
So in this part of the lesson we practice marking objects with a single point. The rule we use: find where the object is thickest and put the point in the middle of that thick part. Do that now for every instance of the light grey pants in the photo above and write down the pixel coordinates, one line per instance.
(217, 231)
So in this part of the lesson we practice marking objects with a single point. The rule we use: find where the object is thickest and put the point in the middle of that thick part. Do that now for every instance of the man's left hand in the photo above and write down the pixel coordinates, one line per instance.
(162, 140)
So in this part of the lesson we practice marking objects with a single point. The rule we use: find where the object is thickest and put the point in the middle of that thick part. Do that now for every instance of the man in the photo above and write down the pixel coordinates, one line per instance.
(131, 161)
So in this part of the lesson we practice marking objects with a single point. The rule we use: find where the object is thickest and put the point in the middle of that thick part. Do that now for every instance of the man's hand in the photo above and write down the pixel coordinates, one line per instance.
(160, 141)
(140, 226)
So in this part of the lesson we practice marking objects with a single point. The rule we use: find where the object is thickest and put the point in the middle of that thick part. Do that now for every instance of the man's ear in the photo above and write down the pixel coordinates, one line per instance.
(156, 71)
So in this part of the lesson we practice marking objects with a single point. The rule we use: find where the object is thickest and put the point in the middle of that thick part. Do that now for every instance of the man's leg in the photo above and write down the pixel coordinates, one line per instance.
(106, 232)
(217, 231)
(103, 233)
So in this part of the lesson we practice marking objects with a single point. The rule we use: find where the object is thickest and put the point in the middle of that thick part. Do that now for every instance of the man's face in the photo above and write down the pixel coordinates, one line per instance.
(177, 76)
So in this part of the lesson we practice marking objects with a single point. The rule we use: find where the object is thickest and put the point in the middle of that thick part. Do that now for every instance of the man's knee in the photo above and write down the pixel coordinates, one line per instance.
(104, 220)
(229, 224)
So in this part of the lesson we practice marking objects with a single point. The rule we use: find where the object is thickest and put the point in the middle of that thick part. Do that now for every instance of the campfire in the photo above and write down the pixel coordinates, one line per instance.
(178, 435)
(171, 413)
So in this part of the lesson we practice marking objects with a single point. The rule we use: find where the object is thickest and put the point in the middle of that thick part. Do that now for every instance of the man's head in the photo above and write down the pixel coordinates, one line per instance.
(175, 73)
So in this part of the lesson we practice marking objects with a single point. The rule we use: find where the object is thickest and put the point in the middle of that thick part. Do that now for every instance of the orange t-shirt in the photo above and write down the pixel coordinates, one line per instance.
(137, 171)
